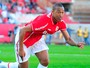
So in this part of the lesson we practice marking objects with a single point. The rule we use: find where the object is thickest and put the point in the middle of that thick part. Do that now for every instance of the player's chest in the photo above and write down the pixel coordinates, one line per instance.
(51, 29)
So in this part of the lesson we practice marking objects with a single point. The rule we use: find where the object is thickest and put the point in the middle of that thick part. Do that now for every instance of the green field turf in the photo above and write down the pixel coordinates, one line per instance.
(61, 56)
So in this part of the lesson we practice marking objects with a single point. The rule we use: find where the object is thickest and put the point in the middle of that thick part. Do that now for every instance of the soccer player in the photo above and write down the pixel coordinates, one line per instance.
(29, 39)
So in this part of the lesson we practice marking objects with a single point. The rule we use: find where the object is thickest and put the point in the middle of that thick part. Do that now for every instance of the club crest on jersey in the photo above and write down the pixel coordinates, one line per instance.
(56, 28)
(44, 32)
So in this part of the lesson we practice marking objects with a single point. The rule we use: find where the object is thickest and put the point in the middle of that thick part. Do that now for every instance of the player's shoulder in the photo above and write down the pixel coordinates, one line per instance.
(44, 17)
(63, 21)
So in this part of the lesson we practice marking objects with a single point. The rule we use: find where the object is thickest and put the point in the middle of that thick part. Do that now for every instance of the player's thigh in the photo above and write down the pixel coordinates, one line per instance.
(40, 49)
(43, 56)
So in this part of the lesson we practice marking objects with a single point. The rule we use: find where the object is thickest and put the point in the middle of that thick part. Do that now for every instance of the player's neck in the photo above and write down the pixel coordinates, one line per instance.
(54, 20)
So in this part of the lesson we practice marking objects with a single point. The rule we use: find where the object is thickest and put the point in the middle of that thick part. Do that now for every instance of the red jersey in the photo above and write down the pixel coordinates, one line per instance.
(42, 25)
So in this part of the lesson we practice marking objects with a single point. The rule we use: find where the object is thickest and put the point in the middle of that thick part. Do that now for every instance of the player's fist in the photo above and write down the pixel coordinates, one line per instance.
(80, 45)
(22, 54)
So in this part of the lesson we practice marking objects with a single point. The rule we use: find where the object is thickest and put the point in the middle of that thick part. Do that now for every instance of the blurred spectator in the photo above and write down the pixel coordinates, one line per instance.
(1, 21)
(13, 1)
(4, 13)
(5, 20)
(61, 37)
(86, 36)
(11, 35)
(45, 5)
(69, 30)
(80, 34)
(27, 1)
(4, 7)
(48, 39)
(12, 18)
(0, 10)
(15, 32)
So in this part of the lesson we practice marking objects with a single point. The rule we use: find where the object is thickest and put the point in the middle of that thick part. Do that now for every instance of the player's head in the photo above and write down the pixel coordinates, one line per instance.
(58, 11)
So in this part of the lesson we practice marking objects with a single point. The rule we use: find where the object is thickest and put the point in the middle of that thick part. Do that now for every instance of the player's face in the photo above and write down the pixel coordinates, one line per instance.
(58, 13)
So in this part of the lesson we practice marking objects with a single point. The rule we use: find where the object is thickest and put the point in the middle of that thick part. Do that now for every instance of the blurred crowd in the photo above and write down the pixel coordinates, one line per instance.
(7, 9)
(83, 35)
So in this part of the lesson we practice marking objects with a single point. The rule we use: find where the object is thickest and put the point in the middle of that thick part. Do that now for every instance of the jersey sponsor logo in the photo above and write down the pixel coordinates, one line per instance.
(41, 27)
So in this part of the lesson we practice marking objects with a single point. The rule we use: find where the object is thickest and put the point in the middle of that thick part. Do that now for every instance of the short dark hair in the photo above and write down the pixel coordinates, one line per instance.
(56, 5)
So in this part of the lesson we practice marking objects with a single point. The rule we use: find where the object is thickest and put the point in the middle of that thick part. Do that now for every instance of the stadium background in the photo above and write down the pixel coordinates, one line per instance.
(62, 55)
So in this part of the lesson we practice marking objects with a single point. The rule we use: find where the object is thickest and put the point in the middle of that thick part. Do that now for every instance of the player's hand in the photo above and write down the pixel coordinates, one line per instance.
(22, 54)
(80, 45)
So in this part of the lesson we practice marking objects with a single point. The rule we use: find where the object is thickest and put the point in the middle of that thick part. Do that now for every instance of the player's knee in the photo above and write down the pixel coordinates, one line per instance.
(23, 65)
(45, 62)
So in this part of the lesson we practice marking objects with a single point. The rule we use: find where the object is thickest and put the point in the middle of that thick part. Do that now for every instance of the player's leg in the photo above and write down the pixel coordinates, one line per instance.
(24, 63)
(40, 49)
(43, 59)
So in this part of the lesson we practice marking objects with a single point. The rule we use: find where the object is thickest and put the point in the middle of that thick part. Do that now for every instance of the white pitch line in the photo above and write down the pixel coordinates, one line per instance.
(70, 54)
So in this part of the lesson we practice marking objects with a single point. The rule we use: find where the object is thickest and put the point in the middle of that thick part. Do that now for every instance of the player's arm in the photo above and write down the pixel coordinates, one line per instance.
(69, 40)
(22, 32)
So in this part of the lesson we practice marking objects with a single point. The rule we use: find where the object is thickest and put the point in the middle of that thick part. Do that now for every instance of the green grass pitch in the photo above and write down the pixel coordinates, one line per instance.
(61, 56)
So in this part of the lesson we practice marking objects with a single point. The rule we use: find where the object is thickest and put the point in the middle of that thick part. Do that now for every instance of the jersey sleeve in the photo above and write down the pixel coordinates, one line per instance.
(39, 24)
(62, 25)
